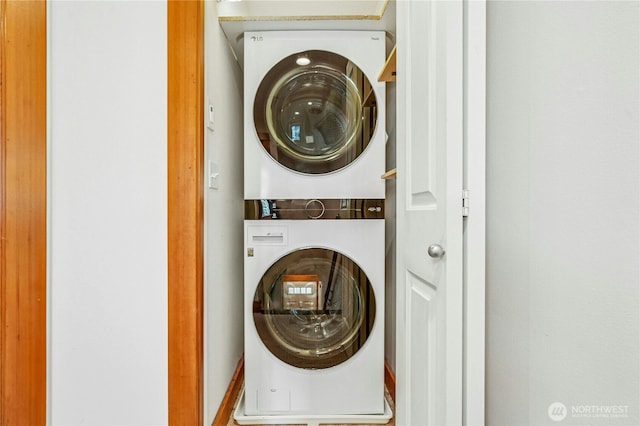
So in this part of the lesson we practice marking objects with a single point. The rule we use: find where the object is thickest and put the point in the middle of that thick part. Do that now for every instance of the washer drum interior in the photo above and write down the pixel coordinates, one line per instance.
(314, 308)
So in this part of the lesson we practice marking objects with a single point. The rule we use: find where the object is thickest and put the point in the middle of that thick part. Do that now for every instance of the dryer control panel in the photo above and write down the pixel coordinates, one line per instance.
(306, 209)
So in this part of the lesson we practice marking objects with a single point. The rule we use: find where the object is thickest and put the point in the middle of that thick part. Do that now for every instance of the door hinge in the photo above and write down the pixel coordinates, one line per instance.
(465, 203)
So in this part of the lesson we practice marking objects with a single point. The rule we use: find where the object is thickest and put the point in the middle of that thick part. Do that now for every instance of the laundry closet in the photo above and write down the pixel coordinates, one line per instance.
(296, 201)
(108, 360)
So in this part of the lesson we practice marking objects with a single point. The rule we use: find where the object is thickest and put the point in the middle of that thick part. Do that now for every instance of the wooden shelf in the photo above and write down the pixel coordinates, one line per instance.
(391, 174)
(282, 10)
(388, 72)
(238, 17)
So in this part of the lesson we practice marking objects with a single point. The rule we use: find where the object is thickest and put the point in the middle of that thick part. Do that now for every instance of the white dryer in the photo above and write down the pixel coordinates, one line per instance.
(314, 114)
(314, 317)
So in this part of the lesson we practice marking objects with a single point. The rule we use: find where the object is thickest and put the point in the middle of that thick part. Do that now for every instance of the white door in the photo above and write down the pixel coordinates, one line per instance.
(430, 178)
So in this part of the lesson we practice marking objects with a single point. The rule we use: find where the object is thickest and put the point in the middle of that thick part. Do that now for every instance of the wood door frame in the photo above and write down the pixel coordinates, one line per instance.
(185, 140)
(23, 212)
(23, 218)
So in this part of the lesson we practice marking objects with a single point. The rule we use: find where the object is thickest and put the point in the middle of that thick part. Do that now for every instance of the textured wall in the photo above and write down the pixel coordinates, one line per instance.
(563, 212)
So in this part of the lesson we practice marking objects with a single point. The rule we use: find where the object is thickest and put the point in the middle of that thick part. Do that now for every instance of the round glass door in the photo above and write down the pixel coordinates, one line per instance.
(315, 112)
(314, 308)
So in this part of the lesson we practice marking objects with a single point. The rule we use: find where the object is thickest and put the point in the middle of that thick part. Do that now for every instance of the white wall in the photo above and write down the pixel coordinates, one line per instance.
(224, 214)
(563, 210)
(390, 234)
(390, 204)
(107, 207)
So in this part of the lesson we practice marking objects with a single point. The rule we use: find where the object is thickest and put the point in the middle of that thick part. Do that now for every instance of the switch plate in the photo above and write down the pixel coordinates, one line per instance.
(213, 175)
(210, 115)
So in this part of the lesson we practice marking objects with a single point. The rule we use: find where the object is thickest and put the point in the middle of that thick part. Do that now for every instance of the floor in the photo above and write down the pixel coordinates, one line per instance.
(232, 422)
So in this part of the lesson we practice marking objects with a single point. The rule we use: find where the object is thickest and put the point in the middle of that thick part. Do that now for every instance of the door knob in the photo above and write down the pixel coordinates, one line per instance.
(436, 251)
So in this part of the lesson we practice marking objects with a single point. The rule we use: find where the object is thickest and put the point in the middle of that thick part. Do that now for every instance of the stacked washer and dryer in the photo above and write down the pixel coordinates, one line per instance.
(314, 151)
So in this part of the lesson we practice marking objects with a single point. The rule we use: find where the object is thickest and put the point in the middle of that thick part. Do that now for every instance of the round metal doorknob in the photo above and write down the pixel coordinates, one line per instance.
(436, 251)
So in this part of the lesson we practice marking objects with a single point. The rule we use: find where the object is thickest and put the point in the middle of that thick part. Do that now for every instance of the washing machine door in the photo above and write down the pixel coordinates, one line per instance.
(315, 112)
(314, 308)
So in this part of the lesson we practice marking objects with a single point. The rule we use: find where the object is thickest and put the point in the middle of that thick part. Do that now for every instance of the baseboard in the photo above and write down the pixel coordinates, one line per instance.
(390, 380)
(230, 397)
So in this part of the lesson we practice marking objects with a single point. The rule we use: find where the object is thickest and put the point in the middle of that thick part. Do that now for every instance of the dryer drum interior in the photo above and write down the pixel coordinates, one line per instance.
(314, 308)
(317, 117)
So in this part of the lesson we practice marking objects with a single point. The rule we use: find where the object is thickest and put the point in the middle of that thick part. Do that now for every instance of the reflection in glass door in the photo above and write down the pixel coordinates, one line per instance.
(314, 308)
(315, 112)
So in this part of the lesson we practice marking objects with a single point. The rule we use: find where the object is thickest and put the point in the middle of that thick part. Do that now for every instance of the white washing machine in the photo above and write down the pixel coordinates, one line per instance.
(314, 114)
(314, 317)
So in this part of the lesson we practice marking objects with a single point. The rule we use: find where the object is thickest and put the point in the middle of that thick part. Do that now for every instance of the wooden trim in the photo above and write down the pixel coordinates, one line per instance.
(233, 392)
(185, 28)
(390, 380)
(253, 10)
(301, 18)
(23, 212)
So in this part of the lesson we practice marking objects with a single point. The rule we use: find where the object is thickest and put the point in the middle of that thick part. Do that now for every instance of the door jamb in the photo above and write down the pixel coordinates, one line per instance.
(23, 212)
(475, 223)
(185, 145)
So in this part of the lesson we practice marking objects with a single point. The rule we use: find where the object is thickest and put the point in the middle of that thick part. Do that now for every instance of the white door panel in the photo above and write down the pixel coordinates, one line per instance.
(430, 162)
(422, 332)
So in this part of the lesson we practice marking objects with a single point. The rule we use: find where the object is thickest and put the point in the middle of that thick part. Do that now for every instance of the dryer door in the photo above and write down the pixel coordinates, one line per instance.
(314, 308)
(315, 112)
